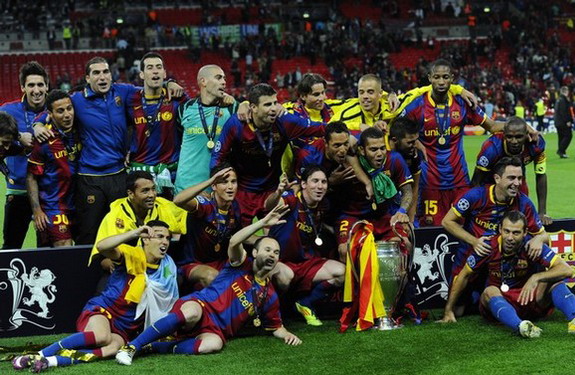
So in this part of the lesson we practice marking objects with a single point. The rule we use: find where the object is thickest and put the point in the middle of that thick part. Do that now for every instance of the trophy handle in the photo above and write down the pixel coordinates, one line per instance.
(14, 265)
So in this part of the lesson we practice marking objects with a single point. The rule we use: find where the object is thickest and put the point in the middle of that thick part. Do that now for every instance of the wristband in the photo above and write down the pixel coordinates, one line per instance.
(402, 210)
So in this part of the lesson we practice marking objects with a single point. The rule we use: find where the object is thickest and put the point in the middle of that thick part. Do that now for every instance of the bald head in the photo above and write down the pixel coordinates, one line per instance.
(212, 83)
(207, 71)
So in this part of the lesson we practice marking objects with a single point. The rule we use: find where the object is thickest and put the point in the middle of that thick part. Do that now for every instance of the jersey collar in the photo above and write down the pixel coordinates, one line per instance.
(432, 102)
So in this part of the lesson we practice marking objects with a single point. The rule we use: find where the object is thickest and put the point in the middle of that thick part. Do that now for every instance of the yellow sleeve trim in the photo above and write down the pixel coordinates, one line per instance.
(34, 162)
(407, 182)
(456, 212)
(553, 260)
(483, 168)
(538, 232)
(468, 268)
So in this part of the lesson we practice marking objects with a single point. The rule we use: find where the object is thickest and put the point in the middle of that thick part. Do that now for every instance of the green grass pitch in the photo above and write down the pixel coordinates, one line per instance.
(469, 347)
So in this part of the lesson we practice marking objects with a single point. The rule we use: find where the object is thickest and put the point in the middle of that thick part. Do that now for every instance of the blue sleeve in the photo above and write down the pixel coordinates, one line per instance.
(466, 203)
(296, 126)
(225, 141)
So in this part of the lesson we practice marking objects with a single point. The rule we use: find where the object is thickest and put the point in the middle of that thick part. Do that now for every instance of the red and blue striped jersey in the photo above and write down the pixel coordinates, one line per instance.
(209, 230)
(351, 196)
(113, 300)
(303, 224)
(235, 295)
(514, 270)
(239, 145)
(157, 141)
(481, 215)
(54, 163)
(441, 134)
(495, 148)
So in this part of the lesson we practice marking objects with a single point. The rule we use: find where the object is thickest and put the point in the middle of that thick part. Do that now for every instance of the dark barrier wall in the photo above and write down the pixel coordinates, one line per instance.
(42, 291)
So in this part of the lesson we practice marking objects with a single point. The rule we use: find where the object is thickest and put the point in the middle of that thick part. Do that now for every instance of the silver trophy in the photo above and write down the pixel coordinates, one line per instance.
(392, 268)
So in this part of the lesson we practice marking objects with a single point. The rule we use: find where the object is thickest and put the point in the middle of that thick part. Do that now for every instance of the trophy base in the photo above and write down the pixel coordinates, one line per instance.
(386, 324)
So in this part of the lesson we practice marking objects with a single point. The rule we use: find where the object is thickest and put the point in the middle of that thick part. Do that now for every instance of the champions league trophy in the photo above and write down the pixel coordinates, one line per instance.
(11, 290)
(393, 271)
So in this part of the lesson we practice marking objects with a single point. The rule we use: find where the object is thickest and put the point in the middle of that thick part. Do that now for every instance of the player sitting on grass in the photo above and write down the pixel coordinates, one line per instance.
(242, 291)
(517, 290)
(111, 319)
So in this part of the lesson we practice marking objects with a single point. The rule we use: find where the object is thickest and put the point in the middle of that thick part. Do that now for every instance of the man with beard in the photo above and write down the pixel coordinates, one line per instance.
(140, 206)
(204, 320)
(392, 187)
(520, 287)
(402, 137)
(210, 225)
(304, 265)
(514, 141)
(102, 122)
(156, 137)
(17, 211)
(255, 148)
(476, 216)
(111, 319)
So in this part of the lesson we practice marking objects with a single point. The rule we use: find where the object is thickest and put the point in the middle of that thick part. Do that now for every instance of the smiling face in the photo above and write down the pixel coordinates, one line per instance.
(226, 189)
(154, 73)
(144, 195)
(316, 98)
(62, 113)
(100, 78)
(35, 88)
(337, 147)
(374, 151)
(157, 245)
(507, 185)
(314, 188)
(369, 93)
(267, 254)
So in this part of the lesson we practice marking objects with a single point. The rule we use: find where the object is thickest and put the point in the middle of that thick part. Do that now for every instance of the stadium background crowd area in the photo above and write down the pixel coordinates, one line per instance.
(510, 54)
(504, 51)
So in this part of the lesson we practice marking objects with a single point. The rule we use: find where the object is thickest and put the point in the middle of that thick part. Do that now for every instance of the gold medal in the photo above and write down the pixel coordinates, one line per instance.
(504, 288)
(211, 144)
(374, 206)
(441, 140)
(217, 248)
(257, 322)
(71, 156)
(270, 163)
(318, 241)
(147, 133)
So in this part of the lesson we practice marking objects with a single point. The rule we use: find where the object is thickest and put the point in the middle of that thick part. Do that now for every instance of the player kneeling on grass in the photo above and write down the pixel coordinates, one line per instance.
(142, 288)
(516, 290)
(241, 291)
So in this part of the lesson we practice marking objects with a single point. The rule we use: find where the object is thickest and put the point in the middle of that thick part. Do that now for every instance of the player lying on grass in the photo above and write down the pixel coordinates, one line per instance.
(242, 291)
(517, 288)
(111, 319)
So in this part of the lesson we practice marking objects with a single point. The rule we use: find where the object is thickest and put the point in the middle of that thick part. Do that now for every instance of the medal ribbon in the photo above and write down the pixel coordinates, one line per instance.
(258, 300)
(309, 215)
(270, 146)
(211, 134)
(151, 120)
(442, 121)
